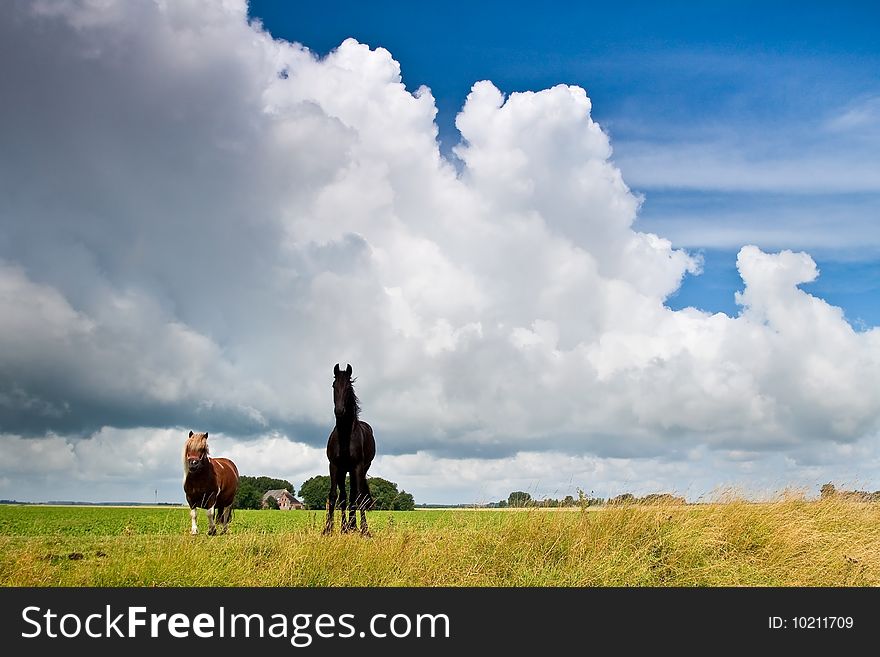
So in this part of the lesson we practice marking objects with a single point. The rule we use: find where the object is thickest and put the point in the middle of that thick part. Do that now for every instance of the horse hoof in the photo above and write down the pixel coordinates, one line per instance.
(366, 533)
(212, 532)
(327, 531)
(193, 532)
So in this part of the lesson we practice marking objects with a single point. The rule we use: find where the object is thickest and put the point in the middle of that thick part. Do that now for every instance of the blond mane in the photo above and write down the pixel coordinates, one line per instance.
(197, 443)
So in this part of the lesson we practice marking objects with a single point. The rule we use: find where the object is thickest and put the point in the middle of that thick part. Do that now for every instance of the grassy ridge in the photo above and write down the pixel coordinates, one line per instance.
(791, 542)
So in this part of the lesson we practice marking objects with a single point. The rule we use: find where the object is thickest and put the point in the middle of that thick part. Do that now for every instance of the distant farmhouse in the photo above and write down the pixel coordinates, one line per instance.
(285, 500)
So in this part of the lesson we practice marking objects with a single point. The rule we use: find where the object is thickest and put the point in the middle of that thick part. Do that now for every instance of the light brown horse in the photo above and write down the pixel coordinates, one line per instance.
(209, 483)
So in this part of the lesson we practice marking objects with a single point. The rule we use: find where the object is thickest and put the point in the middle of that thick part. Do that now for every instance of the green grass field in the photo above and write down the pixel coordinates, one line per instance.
(791, 542)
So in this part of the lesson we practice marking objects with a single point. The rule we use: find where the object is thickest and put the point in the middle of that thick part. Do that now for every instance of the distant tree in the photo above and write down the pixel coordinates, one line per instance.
(247, 496)
(661, 498)
(568, 501)
(518, 499)
(585, 500)
(314, 492)
(502, 504)
(403, 502)
(272, 503)
(385, 494)
(625, 498)
(828, 490)
(268, 483)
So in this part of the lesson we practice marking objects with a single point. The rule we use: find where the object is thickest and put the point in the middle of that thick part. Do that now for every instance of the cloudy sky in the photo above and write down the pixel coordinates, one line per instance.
(622, 251)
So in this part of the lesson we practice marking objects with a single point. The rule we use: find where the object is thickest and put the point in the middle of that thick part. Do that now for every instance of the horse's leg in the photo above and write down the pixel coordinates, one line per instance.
(193, 512)
(212, 529)
(228, 516)
(365, 499)
(344, 503)
(331, 500)
(221, 518)
(353, 502)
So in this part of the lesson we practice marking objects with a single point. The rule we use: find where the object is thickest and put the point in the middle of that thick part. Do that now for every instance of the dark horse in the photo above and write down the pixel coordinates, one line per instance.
(350, 450)
(208, 483)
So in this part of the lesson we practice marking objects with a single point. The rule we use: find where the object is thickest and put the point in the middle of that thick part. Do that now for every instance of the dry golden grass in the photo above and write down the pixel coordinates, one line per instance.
(787, 542)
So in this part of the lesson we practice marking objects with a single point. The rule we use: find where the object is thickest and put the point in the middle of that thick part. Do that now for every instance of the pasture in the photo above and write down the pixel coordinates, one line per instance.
(790, 542)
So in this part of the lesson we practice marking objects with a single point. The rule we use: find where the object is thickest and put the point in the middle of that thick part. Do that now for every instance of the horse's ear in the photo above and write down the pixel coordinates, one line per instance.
(348, 370)
(190, 434)
(336, 370)
(206, 435)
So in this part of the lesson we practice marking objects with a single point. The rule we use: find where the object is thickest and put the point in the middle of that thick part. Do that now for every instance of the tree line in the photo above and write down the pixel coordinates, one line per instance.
(386, 496)
(828, 491)
(314, 491)
(521, 499)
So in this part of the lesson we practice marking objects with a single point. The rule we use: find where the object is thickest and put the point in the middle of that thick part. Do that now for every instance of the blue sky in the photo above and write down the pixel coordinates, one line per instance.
(777, 106)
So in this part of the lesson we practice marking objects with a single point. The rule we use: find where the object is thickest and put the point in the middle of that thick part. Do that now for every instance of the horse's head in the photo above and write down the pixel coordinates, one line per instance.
(343, 397)
(195, 452)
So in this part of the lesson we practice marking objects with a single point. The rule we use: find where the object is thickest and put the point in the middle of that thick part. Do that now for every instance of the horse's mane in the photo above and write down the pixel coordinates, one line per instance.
(353, 398)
